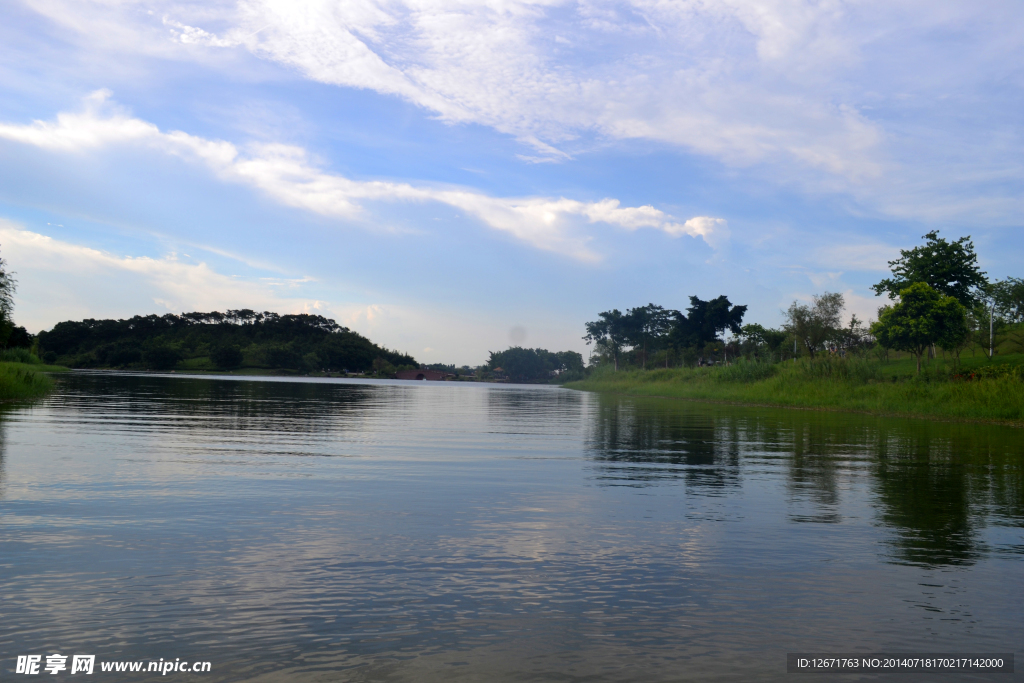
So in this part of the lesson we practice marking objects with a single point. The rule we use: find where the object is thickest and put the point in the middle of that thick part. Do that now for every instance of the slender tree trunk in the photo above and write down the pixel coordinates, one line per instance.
(919, 354)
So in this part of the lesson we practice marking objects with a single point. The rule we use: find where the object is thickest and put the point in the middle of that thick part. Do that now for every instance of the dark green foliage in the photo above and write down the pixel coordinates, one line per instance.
(50, 358)
(704, 321)
(609, 332)
(19, 354)
(120, 356)
(950, 268)
(227, 357)
(669, 333)
(161, 358)
(645, 327)
(922, 317)
(1008, 296)
(19, 338)
(764, 339)
(816, 325)
(268, 340)
(535, 365)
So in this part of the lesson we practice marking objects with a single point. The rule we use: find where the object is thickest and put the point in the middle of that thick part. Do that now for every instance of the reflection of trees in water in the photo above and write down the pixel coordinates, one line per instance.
(935, 485)
(638, 443)
(220, 404)
(939, 490)
(534, 411)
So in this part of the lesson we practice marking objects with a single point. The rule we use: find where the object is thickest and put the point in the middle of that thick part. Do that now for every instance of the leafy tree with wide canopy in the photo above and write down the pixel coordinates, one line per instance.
(950, 268)
(705, 320)
(922, 317)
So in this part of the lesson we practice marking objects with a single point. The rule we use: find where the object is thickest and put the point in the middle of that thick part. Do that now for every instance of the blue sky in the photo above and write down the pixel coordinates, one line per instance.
(449, 177)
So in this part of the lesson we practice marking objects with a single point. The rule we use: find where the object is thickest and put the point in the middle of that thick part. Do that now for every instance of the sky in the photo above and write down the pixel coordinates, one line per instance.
(451, 178)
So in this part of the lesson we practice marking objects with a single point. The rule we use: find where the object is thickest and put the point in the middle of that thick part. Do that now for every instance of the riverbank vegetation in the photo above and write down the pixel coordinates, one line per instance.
(23, 375)
(949, 344)
(241, 341)
(975, 389)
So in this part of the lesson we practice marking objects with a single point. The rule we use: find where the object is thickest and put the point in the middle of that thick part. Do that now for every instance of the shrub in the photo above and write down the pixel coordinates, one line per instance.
(226, 357)
(161, 358)
(19, 355)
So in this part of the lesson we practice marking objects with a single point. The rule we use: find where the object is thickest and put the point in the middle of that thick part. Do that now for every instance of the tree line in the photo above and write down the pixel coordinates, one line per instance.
(231, 340)
(653, 332)
(938, 297)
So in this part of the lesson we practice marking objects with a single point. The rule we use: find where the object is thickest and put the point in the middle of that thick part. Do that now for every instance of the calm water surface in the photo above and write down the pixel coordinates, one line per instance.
(330, 530)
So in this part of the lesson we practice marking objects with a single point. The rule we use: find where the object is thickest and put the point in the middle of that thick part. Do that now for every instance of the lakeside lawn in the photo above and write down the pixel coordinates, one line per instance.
(867, 384)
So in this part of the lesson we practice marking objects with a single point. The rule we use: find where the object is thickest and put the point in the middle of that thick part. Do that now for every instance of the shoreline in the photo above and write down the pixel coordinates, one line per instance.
(998, 401)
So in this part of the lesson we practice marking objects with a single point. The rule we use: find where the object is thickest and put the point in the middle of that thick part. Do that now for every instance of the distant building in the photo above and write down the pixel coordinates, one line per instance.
(422, 373)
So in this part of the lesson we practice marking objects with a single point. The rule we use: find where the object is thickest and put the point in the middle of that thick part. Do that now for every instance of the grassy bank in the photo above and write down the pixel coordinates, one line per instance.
(23, 375)
(994, 393)
(25, 380)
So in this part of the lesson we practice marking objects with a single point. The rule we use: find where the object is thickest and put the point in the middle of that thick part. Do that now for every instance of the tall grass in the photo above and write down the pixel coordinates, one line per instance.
(19, 356)
(830, 383)
(23, 380)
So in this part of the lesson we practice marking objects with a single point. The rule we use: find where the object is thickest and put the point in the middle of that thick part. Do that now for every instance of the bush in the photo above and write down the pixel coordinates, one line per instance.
(161, 358)
(122, 357)
(19, 355)
(226, 357)
(50, 358)
(283, 357)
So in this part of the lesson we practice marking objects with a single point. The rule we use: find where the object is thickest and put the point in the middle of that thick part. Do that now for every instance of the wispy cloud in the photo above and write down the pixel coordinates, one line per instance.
(288, 175)
(868, 98)
(82, 277)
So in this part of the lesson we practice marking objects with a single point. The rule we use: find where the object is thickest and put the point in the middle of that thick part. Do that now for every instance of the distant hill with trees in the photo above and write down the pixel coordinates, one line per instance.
(222, 341)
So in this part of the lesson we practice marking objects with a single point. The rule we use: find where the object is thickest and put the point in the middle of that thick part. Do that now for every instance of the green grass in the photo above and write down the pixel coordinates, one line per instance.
(25, 380)
(860, 385)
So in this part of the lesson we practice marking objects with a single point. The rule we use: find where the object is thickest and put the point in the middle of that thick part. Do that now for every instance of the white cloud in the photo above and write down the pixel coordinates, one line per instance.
(867, 97)
(59, 280)
(286, 173)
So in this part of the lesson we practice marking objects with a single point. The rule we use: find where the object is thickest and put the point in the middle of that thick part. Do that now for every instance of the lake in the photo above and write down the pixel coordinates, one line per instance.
(326, 530)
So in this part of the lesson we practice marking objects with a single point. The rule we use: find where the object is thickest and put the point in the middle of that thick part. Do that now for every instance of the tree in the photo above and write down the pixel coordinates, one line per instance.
(226, 357)
(645, 325)
(950, 268)
(535, 365)
(161, 357)
(922, 317)
(759, 335)
(8, 285)
(1008, 296)
(705, 320)
(611, 331)
(818, 323)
